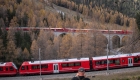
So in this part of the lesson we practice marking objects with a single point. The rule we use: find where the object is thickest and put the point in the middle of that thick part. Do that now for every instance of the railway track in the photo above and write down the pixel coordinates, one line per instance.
(70, 75)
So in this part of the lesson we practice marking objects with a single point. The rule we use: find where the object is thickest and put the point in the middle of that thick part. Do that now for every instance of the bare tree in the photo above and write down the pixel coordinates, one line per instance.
(11, 47)
(34, 49)
(50, 50)
(42, 43)
(57, 42)
(75, 47)
(65, 47)
(25, 54)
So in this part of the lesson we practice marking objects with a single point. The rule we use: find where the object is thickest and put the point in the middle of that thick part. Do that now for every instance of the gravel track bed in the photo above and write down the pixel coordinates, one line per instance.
(70, 75)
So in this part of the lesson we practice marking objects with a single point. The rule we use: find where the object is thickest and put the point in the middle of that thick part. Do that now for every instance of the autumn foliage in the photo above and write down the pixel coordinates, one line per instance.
(20, 46)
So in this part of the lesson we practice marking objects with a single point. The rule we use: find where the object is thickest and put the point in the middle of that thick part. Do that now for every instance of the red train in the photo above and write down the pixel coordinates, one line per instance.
(8, 69)
(53, 66)
(70, 65)
(71, 30)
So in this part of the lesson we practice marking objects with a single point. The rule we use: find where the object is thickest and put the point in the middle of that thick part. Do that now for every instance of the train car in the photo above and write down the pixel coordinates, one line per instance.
(72, 65)
(8, 69)
(53, 66)
(100, 63)
(116, 61)
(136, 59)
(33, 67)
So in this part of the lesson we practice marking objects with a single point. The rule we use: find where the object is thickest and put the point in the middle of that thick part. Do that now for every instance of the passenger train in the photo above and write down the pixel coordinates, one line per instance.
(8, 69)
(71, 30)
(71, 65)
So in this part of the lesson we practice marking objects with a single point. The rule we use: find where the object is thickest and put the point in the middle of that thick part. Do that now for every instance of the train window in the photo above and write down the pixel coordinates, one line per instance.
(44, 66)
(6, 68)
(71, 64)
(64, 65)
(77, 64)
(102, 62)
(117, 62)
(105, 61)
(136, 59)
(22, 68)
(110, 61)
(11, 68)
(1, 69)
(98, 63)
(38, 67)
(34, 67)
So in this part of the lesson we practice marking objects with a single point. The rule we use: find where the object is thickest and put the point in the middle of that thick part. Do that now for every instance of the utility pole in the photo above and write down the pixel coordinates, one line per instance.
(107, 58)
(108, 51)
(81, 43)
(40, 62)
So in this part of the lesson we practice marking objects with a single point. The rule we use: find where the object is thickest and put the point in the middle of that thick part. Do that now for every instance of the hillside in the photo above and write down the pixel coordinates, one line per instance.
(97, 16)
(126, 7)
(70, 14)
(19, 46)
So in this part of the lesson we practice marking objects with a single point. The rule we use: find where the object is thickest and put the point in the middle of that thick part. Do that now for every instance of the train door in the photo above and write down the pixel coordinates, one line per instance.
(55, 68)
(130, 62)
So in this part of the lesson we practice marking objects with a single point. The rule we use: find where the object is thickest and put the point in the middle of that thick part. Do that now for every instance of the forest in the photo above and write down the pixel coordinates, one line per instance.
(19, 46)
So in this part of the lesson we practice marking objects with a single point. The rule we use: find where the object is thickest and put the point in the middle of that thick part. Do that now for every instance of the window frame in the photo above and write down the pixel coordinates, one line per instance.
(79, 64)
(71, 64)
(1, 68)
(22, 67)
(11, 68)
(64, 65)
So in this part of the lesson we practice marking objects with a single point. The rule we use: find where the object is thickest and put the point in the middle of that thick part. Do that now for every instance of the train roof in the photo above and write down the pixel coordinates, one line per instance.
(8, 64)
(116, 56)
(136, 54)
(55, 61)
(81, 59)
(2, 63)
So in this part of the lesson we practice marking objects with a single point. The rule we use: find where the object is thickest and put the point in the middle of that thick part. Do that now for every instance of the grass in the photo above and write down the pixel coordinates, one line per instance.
(117, 76)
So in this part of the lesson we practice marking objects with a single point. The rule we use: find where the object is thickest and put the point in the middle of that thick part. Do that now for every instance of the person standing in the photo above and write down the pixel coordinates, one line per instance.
(80, 75)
